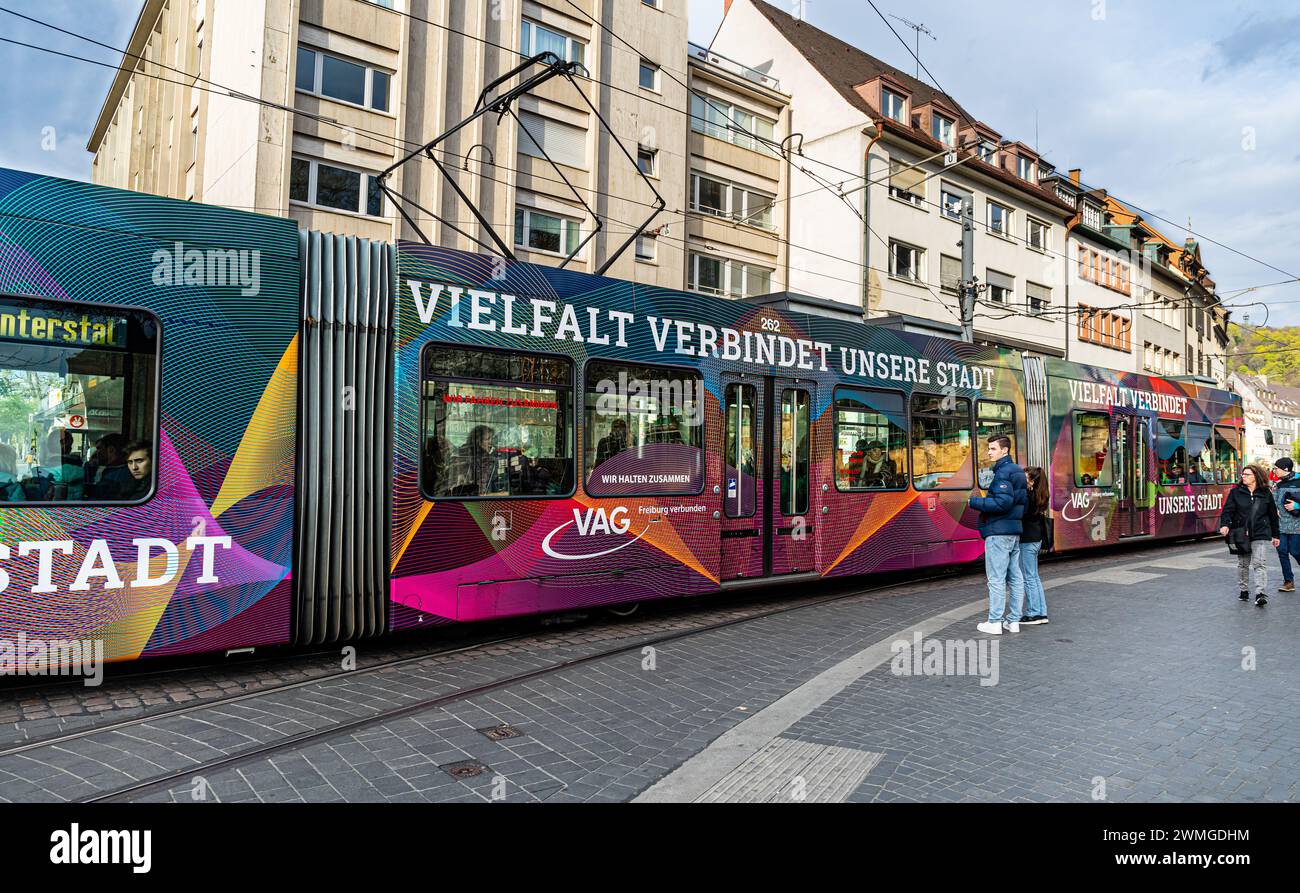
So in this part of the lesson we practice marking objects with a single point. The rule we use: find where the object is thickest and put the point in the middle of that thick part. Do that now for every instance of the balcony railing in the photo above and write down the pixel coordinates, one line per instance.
(752, 74)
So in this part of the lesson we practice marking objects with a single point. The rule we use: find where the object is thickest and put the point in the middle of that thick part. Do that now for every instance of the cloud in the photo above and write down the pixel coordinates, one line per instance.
(1257, 41)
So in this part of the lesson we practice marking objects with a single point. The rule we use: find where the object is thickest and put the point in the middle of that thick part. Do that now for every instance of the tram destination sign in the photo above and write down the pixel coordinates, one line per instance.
(47, 325)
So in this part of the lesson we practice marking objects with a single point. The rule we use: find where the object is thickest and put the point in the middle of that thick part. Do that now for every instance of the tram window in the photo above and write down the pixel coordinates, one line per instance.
(1227, 457)
(742, 444)
(78, 402)
(1200, 454)
(496, 425)
(644, 431)
(794, 452)
(1092, 466)
(941, 443)
(870, 440)
(1171, 451)
(992, 419)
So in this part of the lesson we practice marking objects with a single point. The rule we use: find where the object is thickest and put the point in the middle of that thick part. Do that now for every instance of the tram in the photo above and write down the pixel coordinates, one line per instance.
(218, 432)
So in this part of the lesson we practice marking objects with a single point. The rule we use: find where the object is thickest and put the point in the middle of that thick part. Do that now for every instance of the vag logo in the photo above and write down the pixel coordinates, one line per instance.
(593, 522)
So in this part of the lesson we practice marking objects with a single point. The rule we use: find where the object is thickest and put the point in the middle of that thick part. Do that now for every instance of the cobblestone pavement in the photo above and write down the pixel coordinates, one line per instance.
(1135, 691)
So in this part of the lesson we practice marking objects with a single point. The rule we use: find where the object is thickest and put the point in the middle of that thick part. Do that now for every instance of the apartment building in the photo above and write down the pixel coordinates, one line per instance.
(738, 178)
(1272, 417)
(889, 247)
(347, 87)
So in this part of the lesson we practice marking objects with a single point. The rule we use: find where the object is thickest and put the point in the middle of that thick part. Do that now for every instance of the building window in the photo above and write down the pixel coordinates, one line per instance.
(323, 75)
(645, 247)
(564, 143)
(324, 185)
(551, 233)
(496, 425)
(79, 414)
(1002, 287)
(988, 153)
(725, 121)
(646, 160)
(905, 261)
(949, 274)
(906, 183)
(893, 105)
(1037, 234)
(644, 430)
(722, 199)
(942, 129)
(999, 219)
(1092, 217)
(1027, 170)
(950, 200)
(1039, 297)
(1104, 329)
(648, 76)
(719, 276)
(535, 39)
(1106, 271)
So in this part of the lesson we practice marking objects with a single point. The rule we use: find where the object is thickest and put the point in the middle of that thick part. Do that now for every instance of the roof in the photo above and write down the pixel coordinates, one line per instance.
(845, 66)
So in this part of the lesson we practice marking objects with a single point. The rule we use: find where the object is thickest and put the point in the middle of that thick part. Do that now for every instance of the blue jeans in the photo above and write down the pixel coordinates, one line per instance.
(1002, 567)
(1288, 548)
(1035, 597)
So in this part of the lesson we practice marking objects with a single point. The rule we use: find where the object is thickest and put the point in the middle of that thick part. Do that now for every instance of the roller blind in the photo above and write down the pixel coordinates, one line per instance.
(907, 179)
(565, 143)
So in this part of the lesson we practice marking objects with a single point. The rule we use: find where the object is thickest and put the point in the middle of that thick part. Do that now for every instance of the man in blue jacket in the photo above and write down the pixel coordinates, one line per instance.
(1286, 493)
(1000, 514)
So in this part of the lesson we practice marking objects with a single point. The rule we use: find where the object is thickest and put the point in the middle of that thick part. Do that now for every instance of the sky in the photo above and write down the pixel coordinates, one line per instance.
(1187, 108)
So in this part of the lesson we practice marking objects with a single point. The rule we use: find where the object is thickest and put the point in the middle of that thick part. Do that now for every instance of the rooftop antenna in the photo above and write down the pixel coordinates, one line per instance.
(919, 29)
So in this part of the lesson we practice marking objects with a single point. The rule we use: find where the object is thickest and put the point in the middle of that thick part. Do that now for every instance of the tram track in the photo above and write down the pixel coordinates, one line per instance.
(169, 779)
(163, 781)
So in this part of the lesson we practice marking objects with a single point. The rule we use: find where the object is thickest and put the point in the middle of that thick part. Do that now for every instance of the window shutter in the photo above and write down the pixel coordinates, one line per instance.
(565, 143)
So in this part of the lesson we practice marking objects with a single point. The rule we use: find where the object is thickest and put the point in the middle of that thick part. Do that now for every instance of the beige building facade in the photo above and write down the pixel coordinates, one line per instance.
(345, 88)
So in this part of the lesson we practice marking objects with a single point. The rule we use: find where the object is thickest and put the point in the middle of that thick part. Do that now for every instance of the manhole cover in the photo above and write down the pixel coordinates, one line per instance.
(500, 733)
(464, 769)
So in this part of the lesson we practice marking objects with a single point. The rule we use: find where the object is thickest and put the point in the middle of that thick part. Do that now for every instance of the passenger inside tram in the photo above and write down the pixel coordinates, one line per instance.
(139, 463)
(59, 476)
(474, 470)
(613, 443)
(879, 472)
(11, 490)
(107, 476)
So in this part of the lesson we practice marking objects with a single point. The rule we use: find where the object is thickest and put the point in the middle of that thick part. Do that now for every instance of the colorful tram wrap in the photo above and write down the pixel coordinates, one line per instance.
(330, 438)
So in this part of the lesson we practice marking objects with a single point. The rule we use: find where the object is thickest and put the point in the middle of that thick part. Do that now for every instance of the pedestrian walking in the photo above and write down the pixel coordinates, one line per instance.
(1250, 523)
(1286, 493)
(1035, 538)
(1000, 524)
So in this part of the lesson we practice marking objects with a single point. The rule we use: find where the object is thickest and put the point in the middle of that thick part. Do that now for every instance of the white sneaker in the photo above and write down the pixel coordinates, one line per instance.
(1012, 627)
(993, 629)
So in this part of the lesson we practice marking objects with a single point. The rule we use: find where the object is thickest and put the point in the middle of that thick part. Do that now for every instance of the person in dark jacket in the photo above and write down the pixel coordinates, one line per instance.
(1033, 539)
(1000, 523)
(1286, 493)
(1249, 520)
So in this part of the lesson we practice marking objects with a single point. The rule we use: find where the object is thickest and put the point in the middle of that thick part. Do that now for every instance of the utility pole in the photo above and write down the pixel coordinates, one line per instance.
(969, 287)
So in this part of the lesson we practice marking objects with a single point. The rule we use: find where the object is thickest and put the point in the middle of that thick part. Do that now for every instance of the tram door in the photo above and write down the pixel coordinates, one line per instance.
(1132, 443)
(767, 521)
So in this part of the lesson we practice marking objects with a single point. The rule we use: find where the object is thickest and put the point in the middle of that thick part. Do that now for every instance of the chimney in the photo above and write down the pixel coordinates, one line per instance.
(1075, 175)
(726, 7)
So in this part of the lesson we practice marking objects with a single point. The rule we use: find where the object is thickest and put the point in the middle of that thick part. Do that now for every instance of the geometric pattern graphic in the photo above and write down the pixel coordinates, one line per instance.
(226, 414)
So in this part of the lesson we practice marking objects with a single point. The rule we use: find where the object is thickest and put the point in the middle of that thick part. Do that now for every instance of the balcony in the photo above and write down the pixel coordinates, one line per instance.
(750, 74)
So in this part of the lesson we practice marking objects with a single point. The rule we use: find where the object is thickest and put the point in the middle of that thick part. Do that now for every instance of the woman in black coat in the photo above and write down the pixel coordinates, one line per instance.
(1250, 522)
